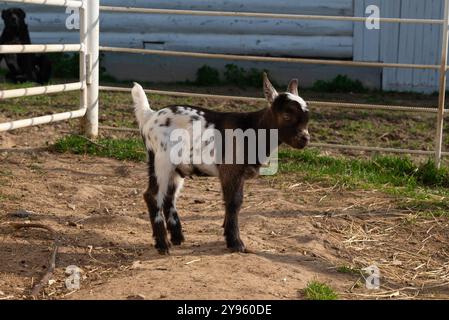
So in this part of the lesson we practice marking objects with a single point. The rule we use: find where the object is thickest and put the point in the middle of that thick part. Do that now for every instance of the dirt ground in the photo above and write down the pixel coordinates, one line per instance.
(298, 231)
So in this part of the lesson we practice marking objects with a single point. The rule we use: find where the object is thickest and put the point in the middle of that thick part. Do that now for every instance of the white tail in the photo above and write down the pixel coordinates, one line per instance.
(141, 105)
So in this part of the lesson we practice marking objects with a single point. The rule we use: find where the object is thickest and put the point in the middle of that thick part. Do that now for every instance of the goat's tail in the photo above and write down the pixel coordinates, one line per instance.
(141, 105)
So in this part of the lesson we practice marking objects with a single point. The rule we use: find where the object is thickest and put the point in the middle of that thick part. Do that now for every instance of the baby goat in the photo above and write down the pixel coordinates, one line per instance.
(287, 116)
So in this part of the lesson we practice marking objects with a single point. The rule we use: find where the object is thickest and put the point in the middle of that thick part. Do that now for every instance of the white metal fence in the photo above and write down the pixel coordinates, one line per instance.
(90, 48)
(88, 82)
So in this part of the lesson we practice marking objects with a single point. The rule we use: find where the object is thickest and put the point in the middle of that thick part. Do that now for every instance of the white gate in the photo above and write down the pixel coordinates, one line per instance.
(89, 66)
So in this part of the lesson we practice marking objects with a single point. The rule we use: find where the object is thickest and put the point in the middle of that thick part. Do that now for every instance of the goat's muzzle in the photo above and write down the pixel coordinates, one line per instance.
(301, 140)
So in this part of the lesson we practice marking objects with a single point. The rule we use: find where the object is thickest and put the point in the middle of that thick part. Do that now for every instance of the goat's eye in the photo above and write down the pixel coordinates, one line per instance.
(286, 117)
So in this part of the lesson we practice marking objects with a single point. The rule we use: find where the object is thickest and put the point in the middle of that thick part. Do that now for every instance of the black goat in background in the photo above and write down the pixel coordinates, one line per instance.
(25, 66)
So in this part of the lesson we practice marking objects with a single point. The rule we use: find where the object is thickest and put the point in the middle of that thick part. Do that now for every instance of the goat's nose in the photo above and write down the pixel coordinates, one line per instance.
(305, 139)
(305, 134)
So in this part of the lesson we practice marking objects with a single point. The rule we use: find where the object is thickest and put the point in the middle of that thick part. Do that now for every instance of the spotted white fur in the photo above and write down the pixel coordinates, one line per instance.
(157, 128)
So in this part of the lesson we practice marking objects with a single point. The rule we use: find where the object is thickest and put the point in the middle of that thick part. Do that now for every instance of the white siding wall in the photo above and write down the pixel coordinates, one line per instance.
(405, 43)
(275, 37)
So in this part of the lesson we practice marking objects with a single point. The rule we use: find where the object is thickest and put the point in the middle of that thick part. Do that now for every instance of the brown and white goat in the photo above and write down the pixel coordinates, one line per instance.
(287, 115)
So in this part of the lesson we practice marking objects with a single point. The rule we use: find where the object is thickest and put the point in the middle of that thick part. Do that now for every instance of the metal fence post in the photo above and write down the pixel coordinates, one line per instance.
(83, 53)
(92, 62)
(442, 94)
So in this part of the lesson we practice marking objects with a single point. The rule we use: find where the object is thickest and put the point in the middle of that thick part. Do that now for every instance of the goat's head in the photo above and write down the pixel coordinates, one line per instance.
(289, 113)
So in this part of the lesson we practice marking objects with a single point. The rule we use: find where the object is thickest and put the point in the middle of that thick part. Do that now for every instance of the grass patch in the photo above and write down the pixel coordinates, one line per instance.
(420, 187)
(380, 170)
(348, 270)
(319, 291)
(120, 149)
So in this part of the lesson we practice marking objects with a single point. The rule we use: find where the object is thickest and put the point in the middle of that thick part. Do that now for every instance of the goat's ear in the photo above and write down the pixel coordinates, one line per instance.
(4, 13)
(268, 89)
(293, 87)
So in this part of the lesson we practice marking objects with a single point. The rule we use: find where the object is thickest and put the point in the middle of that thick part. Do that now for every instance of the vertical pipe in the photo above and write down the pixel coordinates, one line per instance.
(82, 54)
(442, 94)
(92, 46)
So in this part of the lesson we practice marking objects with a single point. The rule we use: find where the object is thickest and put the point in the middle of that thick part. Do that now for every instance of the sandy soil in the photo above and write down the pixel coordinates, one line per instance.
(299, 232)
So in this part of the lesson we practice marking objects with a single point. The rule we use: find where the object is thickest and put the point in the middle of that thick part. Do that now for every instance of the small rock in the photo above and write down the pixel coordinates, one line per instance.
(72, 224)
(136, 264)
(71, 206)
(136, 297)
(161, 268)
(51, 281)
(2, 293)
(22, 214)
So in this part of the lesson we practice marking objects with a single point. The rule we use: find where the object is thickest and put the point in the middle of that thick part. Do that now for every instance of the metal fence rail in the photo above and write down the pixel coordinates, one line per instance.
(325, 104)
(262, 15)
(58, 3)
(270, 59)
(443, 67)
(32, 48)
(34, 91)
(88, 84)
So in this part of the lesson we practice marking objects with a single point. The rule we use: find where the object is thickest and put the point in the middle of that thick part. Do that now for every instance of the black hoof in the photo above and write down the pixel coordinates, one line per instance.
(236, 246)
(162, 247)
(177, 239)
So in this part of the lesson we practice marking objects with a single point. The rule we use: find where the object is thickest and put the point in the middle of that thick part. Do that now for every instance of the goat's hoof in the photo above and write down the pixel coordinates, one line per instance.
(177, 239)
(163, 251)
(237, 246)
(162, 248)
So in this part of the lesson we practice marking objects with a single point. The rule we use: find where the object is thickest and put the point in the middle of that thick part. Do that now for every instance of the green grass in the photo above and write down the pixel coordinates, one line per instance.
(120, 149)
(319, 291)
(379, 170)
(419, 187)
(348, 270)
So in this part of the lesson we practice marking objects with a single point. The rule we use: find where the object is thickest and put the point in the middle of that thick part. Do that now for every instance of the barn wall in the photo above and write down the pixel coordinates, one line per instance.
(406, 43)
(275, 37)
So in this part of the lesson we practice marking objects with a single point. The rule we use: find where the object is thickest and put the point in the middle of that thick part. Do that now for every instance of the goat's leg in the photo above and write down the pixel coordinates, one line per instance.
(171, 214)
(232, 185)
(157, 221)
(155, 192)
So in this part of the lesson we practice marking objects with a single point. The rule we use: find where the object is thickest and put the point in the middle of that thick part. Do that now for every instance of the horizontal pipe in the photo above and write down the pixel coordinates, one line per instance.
(270, 59)
(254, 99)
(372, 106)
(25, 92)
(261, 15)
(378, 149)
(321, 145)
(124, 129)
(58, 3)
(6, 126)
(30, 48)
